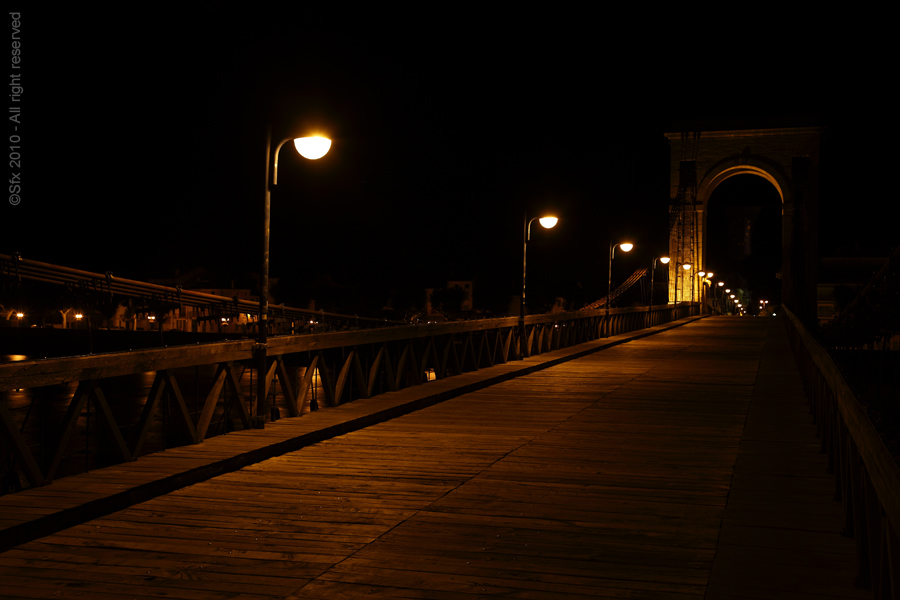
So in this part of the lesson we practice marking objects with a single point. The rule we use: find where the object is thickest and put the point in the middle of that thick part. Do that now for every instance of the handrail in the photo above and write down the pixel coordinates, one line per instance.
(850, 438)
(344, 365)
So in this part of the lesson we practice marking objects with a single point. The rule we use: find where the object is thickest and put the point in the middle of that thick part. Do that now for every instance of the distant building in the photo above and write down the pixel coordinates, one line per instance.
(840, 280)
(559, 305)
(467, 286)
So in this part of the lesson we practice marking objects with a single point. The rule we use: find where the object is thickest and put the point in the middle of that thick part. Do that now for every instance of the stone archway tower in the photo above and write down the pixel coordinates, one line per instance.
(788, 159)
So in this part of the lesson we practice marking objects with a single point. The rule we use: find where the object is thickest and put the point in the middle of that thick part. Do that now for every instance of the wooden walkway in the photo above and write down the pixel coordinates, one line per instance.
(682, 465)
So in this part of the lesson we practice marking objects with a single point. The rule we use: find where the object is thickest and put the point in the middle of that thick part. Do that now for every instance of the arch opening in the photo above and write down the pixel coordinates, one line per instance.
(744, 233)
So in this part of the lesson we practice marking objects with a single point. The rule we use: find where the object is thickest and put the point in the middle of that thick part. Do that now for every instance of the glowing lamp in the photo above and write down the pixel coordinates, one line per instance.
(626, 247)
(20, 315)
(710, 274)
(548, 222)
(701, 274)
(664, 260)
(312, 147)
(686, 266)
(721, 283)
(727, 291)
(731, 296)
(78, 316)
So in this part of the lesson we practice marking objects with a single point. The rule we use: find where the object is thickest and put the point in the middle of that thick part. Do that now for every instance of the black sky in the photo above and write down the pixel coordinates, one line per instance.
(142, 142)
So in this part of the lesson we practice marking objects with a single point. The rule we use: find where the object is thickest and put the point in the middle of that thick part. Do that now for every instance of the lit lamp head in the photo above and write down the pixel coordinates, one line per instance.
(731, 296)
(721, 283)
(312, 147)
(727, 291)
(19, 315)
(548, 222)
(701, 274)
(626, 247)
(664, 260)
(78, 316)
(686, 266)
(710, 274)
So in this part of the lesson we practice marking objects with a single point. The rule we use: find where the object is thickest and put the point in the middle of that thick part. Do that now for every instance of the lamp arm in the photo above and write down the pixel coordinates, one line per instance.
(275, 161)
(528, 229)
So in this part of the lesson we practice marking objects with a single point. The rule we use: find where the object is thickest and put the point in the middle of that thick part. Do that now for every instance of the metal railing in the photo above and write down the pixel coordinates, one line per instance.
(98, 287)
(867, 477)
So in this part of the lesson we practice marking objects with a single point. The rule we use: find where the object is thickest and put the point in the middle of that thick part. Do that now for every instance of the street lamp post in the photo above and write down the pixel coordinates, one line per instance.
(311, 148)
(701, 275)
(547, 223)
(626, 247)
(686, 267)
(664, 260)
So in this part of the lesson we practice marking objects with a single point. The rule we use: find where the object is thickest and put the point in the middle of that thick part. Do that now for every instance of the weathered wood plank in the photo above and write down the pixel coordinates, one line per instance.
(183, 413)
(209, 404)
(110, 420)
(72, 413)
(37, 373)
(286, 387)
(31, 468)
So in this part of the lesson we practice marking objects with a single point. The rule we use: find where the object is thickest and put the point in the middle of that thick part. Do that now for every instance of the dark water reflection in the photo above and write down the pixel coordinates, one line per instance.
(39, 413)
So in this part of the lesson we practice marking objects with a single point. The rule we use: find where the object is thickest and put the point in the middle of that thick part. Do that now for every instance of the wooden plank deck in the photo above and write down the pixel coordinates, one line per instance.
(683, 465)
(69, 501)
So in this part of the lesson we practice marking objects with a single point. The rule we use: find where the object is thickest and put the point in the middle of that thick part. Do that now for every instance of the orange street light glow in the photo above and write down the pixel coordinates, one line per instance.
(548, 222)
(626, 247)
(312, 147)
(664, 260)
(686, 266)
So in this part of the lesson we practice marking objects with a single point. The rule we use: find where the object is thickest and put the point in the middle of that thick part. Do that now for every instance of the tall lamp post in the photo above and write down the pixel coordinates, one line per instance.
(546, 222)
(701, 275)
(664, 260)
(626, 247)
(686, 267)
(311, 148)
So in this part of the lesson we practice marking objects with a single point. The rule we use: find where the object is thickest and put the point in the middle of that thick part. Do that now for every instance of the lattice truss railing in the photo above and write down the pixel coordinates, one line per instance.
(311, 371)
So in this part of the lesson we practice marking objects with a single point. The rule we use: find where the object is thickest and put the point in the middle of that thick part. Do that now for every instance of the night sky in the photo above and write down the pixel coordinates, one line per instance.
(143, 145)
